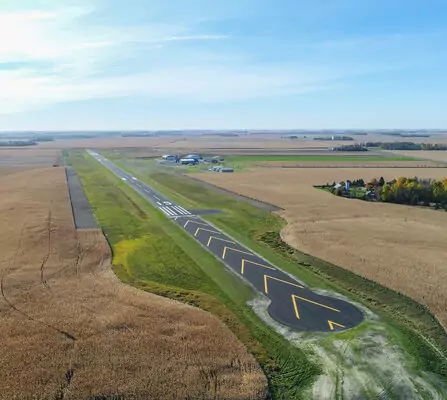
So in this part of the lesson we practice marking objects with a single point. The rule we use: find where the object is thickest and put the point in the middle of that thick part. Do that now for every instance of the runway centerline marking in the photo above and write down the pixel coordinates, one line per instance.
(279, 280)
(295, 306)
(217, 238)
(332, 323)
(207, 230)
(255, 263)
(231, 248)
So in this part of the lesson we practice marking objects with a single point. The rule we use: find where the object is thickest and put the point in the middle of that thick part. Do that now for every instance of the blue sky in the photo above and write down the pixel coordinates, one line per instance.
(172, 64)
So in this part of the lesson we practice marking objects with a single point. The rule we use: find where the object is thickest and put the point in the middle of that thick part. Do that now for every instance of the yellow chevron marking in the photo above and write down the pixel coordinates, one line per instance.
(279, 280)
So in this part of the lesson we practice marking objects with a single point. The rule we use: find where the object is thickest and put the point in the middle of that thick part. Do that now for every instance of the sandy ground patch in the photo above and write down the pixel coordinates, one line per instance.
(401, 247)
(70, 330)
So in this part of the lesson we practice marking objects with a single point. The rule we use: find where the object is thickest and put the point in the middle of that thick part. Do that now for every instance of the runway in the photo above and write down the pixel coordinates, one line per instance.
(292, 303)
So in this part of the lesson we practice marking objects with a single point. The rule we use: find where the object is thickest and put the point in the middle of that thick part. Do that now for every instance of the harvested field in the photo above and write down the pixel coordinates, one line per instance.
(350, 164)
(436, 155)
(29, 157)
(71, 330)
(401, 247)
(106, 143)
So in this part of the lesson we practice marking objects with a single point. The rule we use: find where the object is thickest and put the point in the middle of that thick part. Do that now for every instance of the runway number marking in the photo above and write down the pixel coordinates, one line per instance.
(295, 306)
(206, 230)
(216, 238)
(332, 323)
(279, 280)
(231, 248)
(254, 263)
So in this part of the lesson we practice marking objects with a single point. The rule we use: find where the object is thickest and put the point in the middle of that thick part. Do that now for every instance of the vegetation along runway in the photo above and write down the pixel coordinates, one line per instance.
(292, 303)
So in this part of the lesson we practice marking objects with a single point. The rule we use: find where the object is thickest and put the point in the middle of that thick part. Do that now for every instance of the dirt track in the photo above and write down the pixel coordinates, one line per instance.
(71, 330)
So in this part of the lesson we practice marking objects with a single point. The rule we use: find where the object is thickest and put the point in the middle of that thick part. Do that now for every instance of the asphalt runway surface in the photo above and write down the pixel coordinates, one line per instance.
(292, 303)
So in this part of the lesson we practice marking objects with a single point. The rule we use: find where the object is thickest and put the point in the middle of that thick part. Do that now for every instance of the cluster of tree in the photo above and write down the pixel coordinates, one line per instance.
(333, 138)
(137, 134)
(414, 191)
(405, 134)
(353, 147)
(44, 139)
(16, 143)
(407, 146)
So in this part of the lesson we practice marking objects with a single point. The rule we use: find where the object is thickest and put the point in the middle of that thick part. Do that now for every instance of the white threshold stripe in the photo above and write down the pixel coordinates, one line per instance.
(181, 210)
(170, 212)
(165, 212)
(172, 209)
(186, 211)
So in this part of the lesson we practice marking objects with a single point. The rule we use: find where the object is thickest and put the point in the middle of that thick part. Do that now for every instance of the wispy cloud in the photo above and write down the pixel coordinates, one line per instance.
(64, 55)
(196, 37)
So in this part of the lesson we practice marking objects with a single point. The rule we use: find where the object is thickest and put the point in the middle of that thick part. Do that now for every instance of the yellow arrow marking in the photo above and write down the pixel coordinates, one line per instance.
(216, 238)
(255, 263)
(194, 222)
(207, 230)
(332, 323)
(231, 248)
(279, 280)
(295, 306)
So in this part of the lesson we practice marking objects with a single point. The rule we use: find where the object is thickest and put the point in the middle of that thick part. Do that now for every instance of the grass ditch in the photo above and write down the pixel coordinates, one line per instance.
(411, 325)
(153, 254)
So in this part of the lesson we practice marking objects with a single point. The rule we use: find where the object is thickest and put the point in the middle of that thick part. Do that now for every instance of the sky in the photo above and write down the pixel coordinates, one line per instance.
(231, 64)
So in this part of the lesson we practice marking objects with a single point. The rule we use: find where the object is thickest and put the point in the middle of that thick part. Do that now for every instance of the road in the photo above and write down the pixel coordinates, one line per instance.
(292, 303)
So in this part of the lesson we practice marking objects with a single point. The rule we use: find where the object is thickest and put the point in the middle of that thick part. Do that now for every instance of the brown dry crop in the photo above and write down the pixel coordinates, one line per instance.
(349, 164)
(29, 157)
(70, 330)
(401, 247)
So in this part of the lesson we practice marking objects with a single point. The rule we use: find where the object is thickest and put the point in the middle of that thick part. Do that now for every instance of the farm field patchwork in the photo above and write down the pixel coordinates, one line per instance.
(70, 329)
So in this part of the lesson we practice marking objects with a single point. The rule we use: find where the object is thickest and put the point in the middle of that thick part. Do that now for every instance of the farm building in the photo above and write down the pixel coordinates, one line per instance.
(188, 161)
(195, 157)
(226, 169)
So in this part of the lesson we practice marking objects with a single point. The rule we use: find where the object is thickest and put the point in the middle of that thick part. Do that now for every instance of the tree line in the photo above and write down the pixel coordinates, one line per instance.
(414, 191)
(411, 191)
(407, 146)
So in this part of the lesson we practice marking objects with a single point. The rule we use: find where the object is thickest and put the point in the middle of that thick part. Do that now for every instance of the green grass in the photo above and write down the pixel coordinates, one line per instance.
(410, 324)
(154, 254)
(316, 158)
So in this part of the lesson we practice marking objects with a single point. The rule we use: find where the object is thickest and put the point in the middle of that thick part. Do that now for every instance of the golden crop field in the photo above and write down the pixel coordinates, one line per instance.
(28, 157)
(70, 330)
(347, 164)
(401, 247)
